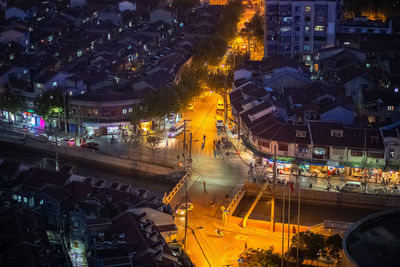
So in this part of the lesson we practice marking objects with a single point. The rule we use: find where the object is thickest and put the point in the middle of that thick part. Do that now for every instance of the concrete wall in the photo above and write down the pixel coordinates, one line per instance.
(102, 159)
(334, 198)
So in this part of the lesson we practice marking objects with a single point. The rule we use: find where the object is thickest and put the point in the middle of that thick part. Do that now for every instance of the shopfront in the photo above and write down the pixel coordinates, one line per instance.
(33, 120)
(7, 116)
(100, 129)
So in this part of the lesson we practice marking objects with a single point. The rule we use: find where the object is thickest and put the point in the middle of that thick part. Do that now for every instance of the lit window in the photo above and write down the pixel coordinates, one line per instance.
(390, 108)
(391, 153)
(307, 9)
(19, 199)
(50, 38)
(129, 109)
(306, 47)
(70, 93)
(396, 90)
(25, 71)
(25, 200)
(79, 53)
(307, 28)
(346, 43)
(109, 36)
(54, 84)
(124, 111)
(319, 28)
(41, 202)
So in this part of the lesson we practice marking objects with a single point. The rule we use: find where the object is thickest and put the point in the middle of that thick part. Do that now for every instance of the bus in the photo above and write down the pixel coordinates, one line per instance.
(176, 129)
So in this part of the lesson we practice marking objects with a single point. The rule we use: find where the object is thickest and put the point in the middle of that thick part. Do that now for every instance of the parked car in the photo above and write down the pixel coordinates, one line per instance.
(219, 123)
(91, 145)
(351, 186)
(182, 208)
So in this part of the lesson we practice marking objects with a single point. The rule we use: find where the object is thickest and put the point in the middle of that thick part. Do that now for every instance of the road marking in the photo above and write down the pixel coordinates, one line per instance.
(240, 237)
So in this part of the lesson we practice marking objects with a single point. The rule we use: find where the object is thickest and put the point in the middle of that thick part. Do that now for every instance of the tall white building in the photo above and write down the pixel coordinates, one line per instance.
(299, 28)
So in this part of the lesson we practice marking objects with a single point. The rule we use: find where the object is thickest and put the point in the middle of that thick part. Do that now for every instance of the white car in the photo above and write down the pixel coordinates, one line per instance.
(182, 209)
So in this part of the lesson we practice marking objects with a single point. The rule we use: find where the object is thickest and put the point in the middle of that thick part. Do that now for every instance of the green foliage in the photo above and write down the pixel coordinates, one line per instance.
(185, 4)
(310, 244)
(255, 27)
(11, 102)
(51, 103)
(333, 246)
(213, 48)
(152, 143)
(261, 258)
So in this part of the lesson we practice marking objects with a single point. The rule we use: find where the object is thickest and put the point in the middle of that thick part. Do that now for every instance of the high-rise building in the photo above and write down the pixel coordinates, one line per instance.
(299, 28)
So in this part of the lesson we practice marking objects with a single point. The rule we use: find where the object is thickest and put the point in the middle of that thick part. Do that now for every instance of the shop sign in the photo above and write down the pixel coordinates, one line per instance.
(333, 163)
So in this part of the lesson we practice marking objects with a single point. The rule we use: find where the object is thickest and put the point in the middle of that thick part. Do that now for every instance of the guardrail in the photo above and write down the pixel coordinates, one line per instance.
(236, 200)
(329, 227)
(167, 198)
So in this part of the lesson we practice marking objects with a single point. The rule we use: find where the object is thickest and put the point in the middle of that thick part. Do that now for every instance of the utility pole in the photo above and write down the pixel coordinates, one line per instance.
(298, 217)
(190, 150)
(283, 226)
(65, 115)
(186, 216)
(288, 233)
(184, 146)
(273, 194)
(57, 165)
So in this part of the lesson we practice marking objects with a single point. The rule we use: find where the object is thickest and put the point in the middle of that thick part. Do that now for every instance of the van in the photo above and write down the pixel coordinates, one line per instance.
(219, 123)
(220, 105)
(176, 129)
(351, 187)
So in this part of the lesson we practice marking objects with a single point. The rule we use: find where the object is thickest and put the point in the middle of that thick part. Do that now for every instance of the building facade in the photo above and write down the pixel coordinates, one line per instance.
(296, 28)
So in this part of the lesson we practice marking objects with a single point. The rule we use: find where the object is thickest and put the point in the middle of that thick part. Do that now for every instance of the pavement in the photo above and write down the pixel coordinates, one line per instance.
(213, 178)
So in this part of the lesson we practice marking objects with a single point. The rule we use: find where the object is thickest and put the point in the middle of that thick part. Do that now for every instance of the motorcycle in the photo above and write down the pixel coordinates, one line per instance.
(219, 232)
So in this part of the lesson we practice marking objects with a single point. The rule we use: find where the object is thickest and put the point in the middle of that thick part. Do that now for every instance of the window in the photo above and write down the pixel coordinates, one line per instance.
(319, 28)
(79, 53)
(54, 84)
(124, 111)
(25, 71)
(306, 47)
(25, 200)
(337, 133)
(356, 153)
(39, 85)
(301, 134)
(303, 149)
(319, 151)
(338, 151)
(297, 9)
(391, 153)
(307, 9)
(41, 202)
(263, 143)
(307, 28)
(108, 36)
(390, 108)
(283, 147)
(129, 110)
(376, 155)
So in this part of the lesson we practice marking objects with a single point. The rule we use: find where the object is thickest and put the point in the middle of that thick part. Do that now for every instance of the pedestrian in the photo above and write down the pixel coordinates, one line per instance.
(166, 144)
(204, 186)
(294, 230)
(310, 185)
(245, 245)
(204, 138)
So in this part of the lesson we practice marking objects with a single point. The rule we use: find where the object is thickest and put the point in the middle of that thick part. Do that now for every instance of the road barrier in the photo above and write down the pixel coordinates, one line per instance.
(329, 227)
(167, 198)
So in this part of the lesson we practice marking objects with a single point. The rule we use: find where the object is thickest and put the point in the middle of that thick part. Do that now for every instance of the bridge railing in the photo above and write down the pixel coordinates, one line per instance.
(167, 198)
(236, 200)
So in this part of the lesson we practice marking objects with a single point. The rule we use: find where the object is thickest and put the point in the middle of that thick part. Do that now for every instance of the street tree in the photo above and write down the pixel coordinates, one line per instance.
(138, 113)
(130, 137)
(255, 27)
(261, 258)
(50, 105)
(333, 246)
(153, 143)
(11, 102)
(311, 244)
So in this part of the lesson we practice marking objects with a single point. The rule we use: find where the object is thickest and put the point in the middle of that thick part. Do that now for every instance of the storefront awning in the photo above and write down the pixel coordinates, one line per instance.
(104, 124)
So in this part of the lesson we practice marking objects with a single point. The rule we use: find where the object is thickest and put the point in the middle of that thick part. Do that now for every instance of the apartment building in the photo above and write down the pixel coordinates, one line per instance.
(299, 28)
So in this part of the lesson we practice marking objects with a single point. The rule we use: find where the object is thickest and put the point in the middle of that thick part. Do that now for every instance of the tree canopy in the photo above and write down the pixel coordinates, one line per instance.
(51, 103)
(255, 27)
(11, 102)
(185, 4)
